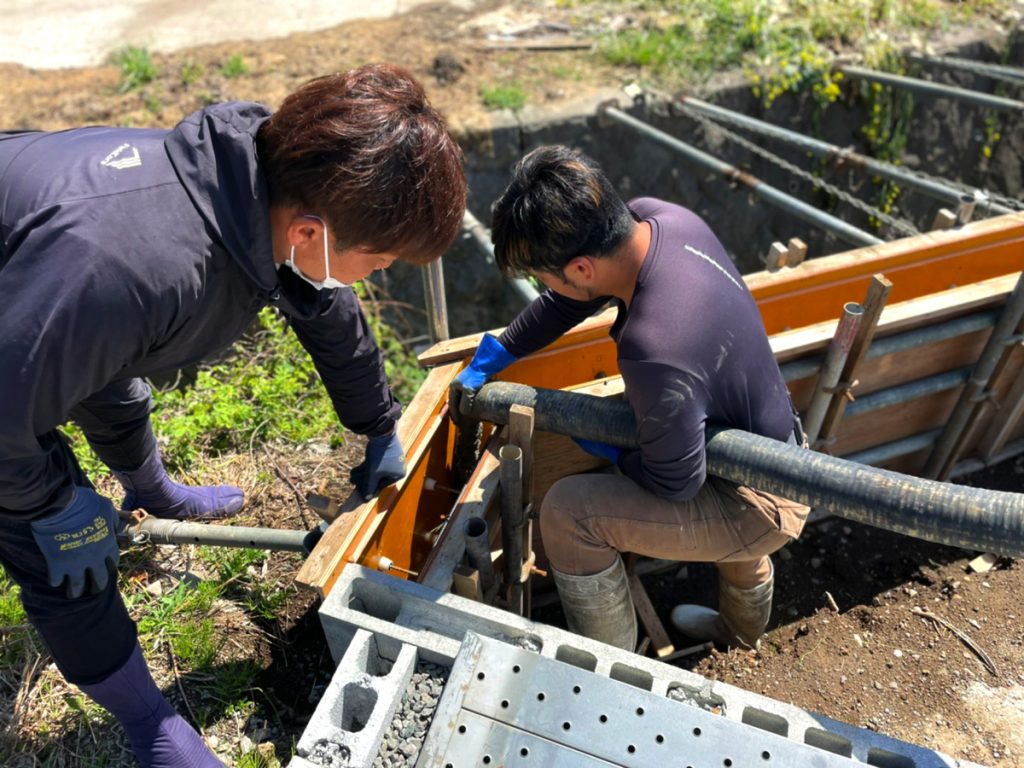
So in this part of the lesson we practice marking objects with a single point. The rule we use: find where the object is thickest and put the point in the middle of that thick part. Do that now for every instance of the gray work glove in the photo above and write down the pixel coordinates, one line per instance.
(79, 543)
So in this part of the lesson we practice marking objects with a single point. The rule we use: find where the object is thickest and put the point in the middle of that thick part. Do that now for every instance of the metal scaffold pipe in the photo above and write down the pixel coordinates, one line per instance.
(769, 194)
(159, 531)
(937, 90)
(960, 516)
(836, 155)
(437, 304)
(482, 237)
(996, 71)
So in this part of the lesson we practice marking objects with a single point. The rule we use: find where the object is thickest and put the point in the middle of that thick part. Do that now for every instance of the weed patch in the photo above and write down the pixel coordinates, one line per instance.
(234, 67)
(137, 67)
(510, 96)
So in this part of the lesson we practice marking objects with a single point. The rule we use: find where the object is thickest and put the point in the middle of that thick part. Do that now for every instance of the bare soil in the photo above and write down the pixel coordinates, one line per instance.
(868, 659)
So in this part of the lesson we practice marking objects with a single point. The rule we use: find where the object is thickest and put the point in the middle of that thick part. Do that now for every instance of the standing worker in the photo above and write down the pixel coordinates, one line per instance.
(692, 351)
(125, 253)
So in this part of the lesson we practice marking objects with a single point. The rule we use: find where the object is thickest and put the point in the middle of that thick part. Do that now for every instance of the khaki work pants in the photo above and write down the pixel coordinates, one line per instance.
(586, 520)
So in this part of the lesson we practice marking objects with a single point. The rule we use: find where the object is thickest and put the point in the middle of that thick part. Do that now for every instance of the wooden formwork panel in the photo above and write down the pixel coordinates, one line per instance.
(887, 425)
(935, 277)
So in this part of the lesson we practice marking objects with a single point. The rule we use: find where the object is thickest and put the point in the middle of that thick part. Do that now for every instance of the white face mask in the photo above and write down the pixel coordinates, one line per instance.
(328, 283)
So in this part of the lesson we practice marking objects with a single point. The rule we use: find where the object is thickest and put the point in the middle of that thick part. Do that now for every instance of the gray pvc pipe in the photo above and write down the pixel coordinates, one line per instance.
(478, 550)
(961, 516)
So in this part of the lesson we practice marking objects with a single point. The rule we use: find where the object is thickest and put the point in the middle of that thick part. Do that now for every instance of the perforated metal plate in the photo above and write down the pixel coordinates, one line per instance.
(504, 706)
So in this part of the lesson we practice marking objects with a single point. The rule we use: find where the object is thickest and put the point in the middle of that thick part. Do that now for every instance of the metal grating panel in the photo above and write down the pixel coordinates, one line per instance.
(504, 706)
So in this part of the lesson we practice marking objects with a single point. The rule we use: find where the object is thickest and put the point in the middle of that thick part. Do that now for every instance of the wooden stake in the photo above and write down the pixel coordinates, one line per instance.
(776, 258)
(797, 252)
(466, 583)
(944, 219)
(649, 618)
(878, 292)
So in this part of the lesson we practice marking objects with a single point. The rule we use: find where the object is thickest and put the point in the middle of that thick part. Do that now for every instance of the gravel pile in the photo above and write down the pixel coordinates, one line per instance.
(408, 730)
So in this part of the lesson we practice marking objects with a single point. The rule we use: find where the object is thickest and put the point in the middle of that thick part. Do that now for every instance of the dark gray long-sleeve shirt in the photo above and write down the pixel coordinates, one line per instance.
(127, 252)
(692, 351)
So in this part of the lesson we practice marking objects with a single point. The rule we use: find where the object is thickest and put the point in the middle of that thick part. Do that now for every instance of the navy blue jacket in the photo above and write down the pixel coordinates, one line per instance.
(125, 253)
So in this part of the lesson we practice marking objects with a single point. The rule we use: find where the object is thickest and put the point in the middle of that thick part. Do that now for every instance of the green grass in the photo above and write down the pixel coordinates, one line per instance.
(508, 96)
(137, 67)
(235, 66)
(680, 43)
(191, 72)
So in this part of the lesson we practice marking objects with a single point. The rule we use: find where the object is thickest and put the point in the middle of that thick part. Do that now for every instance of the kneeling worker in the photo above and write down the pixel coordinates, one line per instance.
(692, 350)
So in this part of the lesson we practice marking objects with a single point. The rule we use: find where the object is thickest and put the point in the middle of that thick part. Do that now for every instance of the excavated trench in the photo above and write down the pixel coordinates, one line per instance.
(946, 138)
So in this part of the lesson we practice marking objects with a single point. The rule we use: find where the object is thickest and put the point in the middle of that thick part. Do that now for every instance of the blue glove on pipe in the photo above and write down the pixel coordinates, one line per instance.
(383, 465)
(79, 543)
(491, 357)
(601, 450)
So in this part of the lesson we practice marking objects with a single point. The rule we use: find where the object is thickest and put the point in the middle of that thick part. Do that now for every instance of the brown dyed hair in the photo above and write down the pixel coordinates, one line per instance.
(366, 152)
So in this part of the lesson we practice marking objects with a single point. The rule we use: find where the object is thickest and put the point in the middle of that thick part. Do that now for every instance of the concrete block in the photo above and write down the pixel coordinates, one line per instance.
(356, 709)
(402, 613)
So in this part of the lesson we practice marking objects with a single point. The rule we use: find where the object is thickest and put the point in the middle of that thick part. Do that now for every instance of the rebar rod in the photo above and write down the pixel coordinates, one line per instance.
(769, 194)
(991, 521)
(159, 531)
(437, 305)
(944, 454)
(836, 155)
(937, 90)
(480, 235)
(832, 368)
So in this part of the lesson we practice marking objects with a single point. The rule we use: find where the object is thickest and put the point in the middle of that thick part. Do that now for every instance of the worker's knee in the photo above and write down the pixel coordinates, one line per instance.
(559, 512)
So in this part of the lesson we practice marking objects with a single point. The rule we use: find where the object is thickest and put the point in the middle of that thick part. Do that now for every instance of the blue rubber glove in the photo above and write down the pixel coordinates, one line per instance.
(601, 450)
(383, 465)
(491, 357)
(79, 543)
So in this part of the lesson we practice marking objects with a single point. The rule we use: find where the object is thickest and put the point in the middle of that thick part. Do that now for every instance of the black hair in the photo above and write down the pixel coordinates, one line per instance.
(559, 205)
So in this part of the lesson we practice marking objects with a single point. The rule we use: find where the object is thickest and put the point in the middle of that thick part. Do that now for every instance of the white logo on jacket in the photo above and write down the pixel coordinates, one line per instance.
(113, 160)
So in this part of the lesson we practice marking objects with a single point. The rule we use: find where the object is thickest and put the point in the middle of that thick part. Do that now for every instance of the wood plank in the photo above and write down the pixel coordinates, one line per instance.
(903, 316)
(321, 569)
(594, 327)
(649, 619)
(466, 583)
(895, 422)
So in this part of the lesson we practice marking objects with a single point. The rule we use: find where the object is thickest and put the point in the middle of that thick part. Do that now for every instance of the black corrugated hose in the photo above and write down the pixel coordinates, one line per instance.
(957, 515)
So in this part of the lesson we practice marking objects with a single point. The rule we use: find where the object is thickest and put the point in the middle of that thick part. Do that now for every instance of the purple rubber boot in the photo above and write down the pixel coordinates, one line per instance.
(159, 736)
(150, 488)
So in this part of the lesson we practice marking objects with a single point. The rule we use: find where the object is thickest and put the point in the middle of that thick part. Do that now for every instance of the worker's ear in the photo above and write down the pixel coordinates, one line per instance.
(304, 229)
(580, 270)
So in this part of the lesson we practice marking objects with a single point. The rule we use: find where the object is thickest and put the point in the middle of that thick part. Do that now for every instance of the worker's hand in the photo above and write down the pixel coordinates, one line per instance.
(79, 543)
(601, 450)
(383, 465)
(491, 357)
